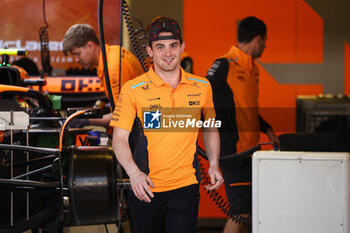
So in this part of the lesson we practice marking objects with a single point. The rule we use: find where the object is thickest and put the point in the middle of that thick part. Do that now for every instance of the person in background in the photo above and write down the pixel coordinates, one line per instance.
(235, 81)
(162, 165)
(81, 41)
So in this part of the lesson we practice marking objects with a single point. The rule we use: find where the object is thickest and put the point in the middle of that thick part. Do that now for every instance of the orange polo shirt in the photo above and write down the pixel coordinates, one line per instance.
(130, 68)
(169, 157)
(243, 79)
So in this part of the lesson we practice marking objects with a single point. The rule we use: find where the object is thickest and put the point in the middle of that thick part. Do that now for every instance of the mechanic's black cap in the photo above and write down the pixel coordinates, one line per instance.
(164, 24)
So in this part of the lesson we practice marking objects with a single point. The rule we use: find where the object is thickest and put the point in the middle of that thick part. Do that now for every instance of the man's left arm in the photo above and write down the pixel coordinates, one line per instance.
(267, 129)
(211, 141)
(212, 146)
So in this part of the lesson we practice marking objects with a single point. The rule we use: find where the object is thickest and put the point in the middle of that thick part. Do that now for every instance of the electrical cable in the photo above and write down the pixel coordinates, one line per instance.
(120, 46)
(103, 50)
(63, 129)
(44, 45)
(44, 14)
(219, 201)
(243, 154)
(104, 59)
(137, 34)
(61, 137)
(214, 195)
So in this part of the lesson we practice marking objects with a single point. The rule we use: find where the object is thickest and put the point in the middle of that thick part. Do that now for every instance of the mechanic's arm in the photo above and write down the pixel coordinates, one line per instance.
(80, 123)
(104, 121)
(139, 180)
(267, 129)
(212, 146)
(273, 137)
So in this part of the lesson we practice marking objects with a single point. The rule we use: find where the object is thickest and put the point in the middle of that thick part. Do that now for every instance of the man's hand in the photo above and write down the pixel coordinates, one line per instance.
(140, 183)
(212, 145)
(215, 178)
(273, 138)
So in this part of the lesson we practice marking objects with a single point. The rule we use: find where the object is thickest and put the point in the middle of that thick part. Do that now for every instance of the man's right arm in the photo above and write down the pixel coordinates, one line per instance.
(139, 181)
(217, 73)
(224, 105)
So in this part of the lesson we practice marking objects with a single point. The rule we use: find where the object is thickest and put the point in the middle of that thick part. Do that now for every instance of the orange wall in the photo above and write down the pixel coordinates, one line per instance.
(295, 35)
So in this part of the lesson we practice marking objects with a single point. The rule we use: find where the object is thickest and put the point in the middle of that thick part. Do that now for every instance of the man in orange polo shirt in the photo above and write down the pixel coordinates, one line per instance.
(81, 41)
(161, 112)
(235, 81)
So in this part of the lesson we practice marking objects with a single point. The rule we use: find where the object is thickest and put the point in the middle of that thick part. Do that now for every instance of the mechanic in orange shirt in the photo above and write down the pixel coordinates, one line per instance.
(235, 81)
(158, 110)
(81, 41)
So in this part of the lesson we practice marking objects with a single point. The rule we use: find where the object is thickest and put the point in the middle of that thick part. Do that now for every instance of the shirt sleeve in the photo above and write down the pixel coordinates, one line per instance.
(133, 64)
(217, 73)
(264, 126)
(125, 110)
(208, 107)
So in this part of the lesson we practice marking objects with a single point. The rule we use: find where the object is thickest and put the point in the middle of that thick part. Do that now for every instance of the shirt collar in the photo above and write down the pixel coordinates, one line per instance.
(240, 57)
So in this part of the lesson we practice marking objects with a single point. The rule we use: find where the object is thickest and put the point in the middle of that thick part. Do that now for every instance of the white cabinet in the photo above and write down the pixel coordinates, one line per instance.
(300, 192)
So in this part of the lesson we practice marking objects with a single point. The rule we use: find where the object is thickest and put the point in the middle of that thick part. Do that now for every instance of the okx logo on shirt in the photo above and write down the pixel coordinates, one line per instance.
(151, 120)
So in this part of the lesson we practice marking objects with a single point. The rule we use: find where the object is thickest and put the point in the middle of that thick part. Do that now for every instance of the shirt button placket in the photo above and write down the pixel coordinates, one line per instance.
(172, 99)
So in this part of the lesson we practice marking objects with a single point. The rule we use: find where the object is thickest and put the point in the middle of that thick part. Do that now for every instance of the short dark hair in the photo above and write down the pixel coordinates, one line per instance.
(77, 36)
(249, 28)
